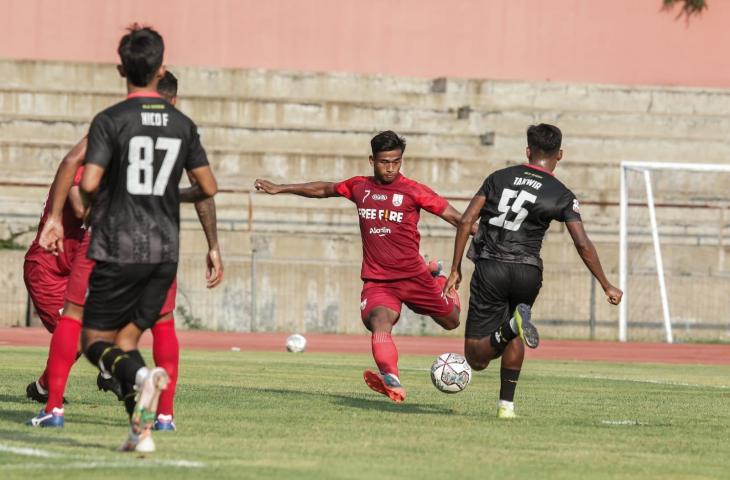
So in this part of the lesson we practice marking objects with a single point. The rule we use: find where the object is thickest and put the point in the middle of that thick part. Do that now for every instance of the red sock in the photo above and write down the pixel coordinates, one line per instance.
(385, 353)
(166, 352)
(441, 281)
(61, 357)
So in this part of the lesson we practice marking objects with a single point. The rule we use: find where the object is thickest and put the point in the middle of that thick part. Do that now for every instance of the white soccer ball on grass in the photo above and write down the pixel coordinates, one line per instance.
(296, 343)
(450, 373)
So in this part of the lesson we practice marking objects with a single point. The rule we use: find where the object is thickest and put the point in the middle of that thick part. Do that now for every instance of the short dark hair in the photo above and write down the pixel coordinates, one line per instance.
(141, 51)
(167, 86)
(387, 141)
(544, 138)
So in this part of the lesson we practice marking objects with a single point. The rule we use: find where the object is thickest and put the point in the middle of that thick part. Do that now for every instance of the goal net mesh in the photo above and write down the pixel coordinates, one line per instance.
(693, 224)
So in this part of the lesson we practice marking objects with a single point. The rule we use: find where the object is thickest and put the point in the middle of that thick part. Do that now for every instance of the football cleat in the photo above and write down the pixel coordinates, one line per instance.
(435, 267)
(165, 423)
(110, 385)
(49, 420)
(142, 420)
(386, 384)
(141, 442)
(526, 330)
(33, 391)
(506, 409)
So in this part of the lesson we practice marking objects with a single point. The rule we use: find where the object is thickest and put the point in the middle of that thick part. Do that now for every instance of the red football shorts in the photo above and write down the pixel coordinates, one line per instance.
(46, 290)
(420, 293)
(78, 283)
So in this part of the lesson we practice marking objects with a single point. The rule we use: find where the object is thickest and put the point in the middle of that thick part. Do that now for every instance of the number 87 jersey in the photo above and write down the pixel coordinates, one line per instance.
(521, 201)
(143, 144)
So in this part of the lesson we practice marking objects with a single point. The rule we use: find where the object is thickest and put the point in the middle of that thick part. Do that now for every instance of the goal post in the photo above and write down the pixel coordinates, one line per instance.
(646, 170)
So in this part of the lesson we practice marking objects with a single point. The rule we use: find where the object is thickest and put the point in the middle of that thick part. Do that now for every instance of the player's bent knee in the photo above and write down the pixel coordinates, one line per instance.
(477, 364)
(450, 322)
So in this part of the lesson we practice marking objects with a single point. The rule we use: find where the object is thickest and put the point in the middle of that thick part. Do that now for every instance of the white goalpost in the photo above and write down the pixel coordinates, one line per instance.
(646, 169)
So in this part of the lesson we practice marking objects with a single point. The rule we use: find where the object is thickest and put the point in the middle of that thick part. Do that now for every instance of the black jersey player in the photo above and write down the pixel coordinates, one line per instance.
(514, 207)
(136, 153)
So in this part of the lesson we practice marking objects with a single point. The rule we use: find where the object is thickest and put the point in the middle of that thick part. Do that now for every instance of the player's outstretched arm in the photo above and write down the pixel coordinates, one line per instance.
(309, 190)
(51, 236)
(463, 229)
(589, 255)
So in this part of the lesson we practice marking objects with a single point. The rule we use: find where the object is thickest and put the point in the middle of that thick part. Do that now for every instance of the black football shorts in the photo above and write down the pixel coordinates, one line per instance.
(120, 293)
(496, 289)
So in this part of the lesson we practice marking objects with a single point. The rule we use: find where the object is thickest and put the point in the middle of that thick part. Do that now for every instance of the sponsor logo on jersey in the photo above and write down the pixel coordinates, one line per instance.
(576, 205)
(380, 196)
(363, 304)
(397, 199)
(381, 231)
(380, 214)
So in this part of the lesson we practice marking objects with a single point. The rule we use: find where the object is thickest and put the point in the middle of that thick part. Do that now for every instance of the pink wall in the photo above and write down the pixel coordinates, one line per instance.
(606, 41)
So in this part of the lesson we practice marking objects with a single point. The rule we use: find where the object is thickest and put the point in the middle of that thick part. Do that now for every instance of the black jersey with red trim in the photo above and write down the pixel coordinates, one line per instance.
(521, 201)
(143, 144)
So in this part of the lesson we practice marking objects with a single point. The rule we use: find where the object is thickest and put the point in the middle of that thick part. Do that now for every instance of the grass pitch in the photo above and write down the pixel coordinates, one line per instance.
(279, 415)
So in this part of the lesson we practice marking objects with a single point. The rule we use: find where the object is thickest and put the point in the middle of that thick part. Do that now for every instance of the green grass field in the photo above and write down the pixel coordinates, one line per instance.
(279, 415)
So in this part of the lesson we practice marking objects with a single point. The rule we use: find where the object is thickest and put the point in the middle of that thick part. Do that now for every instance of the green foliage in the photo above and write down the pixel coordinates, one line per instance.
(189, 321)
(10, 244)
(310, 416)
(689, 7)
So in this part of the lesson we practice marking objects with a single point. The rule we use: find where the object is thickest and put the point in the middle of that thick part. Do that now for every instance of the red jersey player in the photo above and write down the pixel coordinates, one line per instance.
(57, 283)
(393, 271)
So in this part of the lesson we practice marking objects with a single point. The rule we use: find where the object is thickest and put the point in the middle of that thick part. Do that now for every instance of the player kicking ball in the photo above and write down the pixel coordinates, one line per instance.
(136, 154)
(393, 271)
(57, 275)
(514, 207)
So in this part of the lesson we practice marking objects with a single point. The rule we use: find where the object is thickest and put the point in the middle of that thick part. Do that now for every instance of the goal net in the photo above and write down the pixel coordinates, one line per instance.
(674, 226)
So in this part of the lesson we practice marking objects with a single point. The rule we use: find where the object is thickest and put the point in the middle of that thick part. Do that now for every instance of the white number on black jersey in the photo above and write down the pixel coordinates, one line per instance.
(140, 168)
(504, 208)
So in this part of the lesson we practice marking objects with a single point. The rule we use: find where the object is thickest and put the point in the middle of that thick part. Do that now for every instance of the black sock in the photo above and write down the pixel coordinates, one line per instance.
(122, 366)
(509, 379)
(501, 337)
(128, 388)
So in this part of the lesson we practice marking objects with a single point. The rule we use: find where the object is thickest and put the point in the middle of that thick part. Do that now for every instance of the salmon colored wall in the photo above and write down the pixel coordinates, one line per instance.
(604, 41)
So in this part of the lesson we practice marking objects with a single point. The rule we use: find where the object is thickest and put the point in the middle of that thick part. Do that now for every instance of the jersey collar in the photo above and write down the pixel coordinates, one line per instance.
(535, 167)
(143, 93)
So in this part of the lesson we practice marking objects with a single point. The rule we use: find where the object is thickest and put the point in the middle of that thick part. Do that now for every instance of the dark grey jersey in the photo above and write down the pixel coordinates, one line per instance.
(143, 143)
(521, 201)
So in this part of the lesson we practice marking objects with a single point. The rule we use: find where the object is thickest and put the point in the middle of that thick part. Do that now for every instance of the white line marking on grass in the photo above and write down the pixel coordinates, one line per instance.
(84, 462)
(622, 422)
(654, 382)
(28, 452)
(103, 464)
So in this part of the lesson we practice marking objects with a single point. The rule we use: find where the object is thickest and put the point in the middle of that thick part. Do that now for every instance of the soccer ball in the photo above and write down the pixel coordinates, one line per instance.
(296, 343)
(450, 373)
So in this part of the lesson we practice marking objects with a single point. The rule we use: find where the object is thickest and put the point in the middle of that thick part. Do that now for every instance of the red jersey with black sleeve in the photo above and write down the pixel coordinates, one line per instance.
(389, 215)
(73, 233)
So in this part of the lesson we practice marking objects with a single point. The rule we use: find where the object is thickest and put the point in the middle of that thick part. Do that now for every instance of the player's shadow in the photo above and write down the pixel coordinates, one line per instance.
(5, 398)
(376, 403)
(29, 436)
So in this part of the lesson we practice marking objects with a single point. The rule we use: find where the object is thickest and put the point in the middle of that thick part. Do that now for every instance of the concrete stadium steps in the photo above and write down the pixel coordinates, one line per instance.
(558, 251)
(235, 139)
(350, 115)
(466, 147)
(246, 112)
(374, 89)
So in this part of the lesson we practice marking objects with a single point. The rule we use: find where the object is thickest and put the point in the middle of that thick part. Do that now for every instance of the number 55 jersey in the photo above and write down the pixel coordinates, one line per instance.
(521, 201)
(143, 144)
